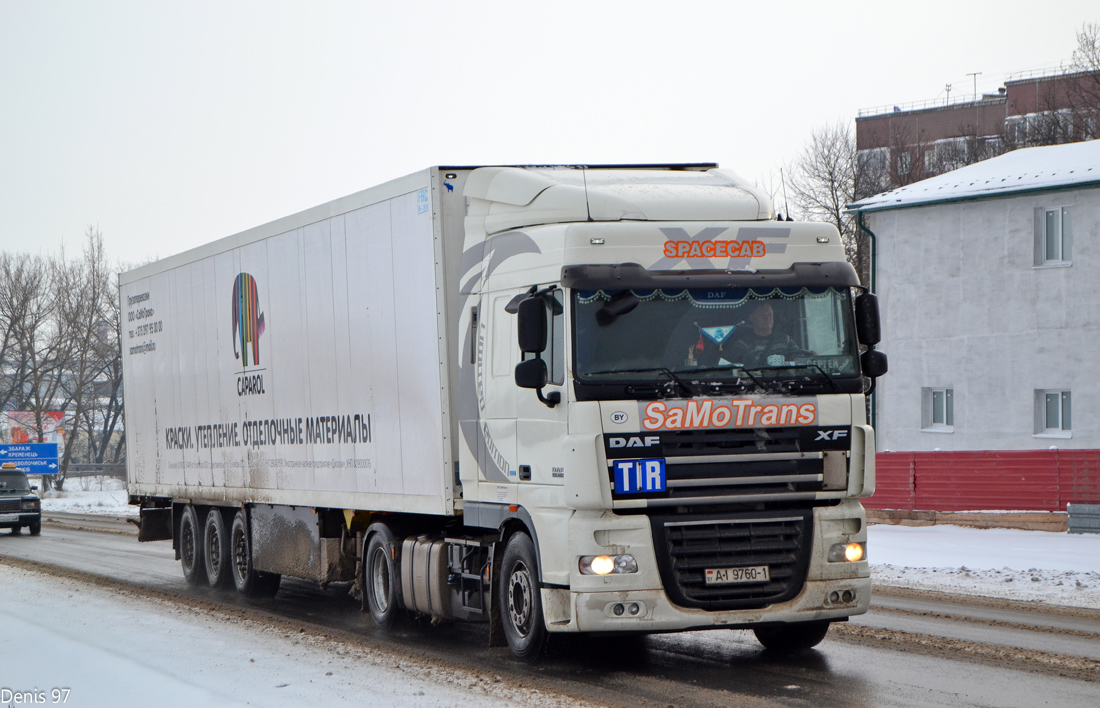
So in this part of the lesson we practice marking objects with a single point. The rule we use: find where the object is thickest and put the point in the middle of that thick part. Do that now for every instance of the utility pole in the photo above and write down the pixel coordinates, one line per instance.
(948, 99)
(975, 74)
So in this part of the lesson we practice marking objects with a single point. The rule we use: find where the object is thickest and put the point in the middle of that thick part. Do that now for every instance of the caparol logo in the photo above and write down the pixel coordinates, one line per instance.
(248, 325)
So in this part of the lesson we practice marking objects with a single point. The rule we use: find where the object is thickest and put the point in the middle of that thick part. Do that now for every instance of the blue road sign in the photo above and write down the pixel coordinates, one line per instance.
(33, 458)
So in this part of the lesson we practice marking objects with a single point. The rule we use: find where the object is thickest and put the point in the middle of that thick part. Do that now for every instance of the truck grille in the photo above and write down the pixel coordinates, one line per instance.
(7, 505)
(686, 547)
(737, 466)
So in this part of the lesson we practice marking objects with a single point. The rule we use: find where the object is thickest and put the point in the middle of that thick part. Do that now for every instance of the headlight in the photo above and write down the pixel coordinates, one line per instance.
(604, 565)
(847, 552)
(30, 505)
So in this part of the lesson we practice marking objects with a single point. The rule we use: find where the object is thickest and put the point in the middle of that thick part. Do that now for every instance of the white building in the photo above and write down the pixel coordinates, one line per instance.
(988, 280)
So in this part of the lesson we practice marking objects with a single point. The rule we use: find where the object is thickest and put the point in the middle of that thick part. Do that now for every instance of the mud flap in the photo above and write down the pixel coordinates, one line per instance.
(496, 628)
(155, 525)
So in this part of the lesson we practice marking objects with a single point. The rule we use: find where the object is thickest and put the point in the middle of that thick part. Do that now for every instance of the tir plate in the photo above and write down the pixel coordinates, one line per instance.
(726, 576)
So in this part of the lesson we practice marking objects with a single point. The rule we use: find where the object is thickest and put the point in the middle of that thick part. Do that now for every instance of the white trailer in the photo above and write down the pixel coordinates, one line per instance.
(537, 397)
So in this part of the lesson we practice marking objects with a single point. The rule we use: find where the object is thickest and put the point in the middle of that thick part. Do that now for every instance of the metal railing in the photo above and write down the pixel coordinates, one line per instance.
(929, 103)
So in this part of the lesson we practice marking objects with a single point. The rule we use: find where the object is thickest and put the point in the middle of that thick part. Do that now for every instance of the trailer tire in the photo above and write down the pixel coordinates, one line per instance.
(793, 638)
(216, 549)
(192, 559)
(248, 581)
(381, 582)
(520, 599)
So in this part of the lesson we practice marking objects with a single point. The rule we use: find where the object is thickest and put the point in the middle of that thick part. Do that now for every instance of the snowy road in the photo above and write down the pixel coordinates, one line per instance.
(907, 651)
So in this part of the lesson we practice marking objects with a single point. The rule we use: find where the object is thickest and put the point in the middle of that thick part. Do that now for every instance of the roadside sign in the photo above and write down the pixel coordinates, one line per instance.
(34, 458)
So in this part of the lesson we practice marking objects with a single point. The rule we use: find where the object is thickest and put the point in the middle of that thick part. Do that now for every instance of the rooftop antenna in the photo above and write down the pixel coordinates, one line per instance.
(786, 204)
(975, 74)
(948, 99)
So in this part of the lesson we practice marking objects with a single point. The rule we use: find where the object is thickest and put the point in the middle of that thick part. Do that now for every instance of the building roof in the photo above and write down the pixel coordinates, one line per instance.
(1025, 170)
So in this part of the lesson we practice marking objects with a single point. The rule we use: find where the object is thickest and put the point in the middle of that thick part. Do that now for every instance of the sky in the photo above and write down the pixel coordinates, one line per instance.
(169, 125)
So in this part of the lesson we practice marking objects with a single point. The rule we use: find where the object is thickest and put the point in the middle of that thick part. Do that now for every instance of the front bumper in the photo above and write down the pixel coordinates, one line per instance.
(24, 519)
(638, 602)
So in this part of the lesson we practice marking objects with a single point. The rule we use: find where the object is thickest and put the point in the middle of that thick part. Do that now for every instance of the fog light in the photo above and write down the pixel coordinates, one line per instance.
(618, 610)
(847, 596)
(603, 565)
(850, 552)
(834, 597)
(634, 609)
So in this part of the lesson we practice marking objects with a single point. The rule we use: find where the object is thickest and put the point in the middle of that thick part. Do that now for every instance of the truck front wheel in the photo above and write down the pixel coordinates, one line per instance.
(191, 555)
(520, 600)
(380, 580)
(792, 638)
(247, 580)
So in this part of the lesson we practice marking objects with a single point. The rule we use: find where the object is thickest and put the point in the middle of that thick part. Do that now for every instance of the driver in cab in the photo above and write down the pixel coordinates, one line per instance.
(751, 343)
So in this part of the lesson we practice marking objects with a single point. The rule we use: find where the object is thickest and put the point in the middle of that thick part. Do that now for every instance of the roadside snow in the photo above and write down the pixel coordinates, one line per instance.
(110, 650)
(89, 495)
(1057, 568)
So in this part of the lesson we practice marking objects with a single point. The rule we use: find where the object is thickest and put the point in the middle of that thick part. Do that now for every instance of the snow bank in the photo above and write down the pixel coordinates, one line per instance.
(89, 495)
(1057, 568)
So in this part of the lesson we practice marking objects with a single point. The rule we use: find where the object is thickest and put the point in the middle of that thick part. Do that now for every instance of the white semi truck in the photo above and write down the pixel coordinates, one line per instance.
(552, 399)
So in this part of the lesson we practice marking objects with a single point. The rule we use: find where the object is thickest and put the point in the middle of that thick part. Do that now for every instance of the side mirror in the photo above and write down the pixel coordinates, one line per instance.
(531, 374)
(34, 487)
(532, 326)
(873, 363)
(867, 320)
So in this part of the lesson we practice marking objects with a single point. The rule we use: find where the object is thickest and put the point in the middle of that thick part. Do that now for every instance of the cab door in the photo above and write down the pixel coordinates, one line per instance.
(541, 429)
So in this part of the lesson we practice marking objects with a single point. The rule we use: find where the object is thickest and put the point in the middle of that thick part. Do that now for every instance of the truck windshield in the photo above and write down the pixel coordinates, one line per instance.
(714, 335)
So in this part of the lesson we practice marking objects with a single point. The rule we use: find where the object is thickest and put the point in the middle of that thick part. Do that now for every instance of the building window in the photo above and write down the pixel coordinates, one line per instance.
(904, 163)
(938, 410)
(1053, 235)
(1053, 413)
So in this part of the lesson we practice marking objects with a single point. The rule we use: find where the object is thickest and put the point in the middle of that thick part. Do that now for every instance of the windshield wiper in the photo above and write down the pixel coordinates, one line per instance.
(658, 369)
(828, 379)
(724, 384)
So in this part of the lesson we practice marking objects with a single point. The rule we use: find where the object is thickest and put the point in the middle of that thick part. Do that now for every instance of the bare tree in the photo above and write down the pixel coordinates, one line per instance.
(823, 181)
(84, 297)
(14, 298)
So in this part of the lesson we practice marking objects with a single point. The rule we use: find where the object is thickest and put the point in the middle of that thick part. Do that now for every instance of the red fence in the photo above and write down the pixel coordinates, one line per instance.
(1016, 480)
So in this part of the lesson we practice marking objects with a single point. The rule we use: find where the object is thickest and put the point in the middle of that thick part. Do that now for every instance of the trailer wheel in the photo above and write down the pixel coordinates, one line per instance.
(521, 600)
(216, 549)
(792, 638)
(380, 578)
(247, 580)
(191, 555)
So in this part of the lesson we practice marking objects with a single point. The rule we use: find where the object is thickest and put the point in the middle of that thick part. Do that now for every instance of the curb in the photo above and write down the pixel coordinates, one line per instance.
(1054, 521)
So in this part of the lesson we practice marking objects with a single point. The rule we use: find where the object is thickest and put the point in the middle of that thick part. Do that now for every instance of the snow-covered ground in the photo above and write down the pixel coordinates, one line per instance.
(1057, 568)
(98, 648)
(88, 495)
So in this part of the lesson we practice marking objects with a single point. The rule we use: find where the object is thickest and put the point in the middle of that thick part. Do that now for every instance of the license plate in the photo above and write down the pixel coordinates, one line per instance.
(5, 518)
(724, 576)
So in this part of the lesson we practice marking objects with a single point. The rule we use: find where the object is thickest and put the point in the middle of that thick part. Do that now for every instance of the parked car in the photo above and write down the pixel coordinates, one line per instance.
(19, 505)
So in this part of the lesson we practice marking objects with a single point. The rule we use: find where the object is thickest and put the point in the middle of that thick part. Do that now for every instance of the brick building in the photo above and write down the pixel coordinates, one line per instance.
(903, 144)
